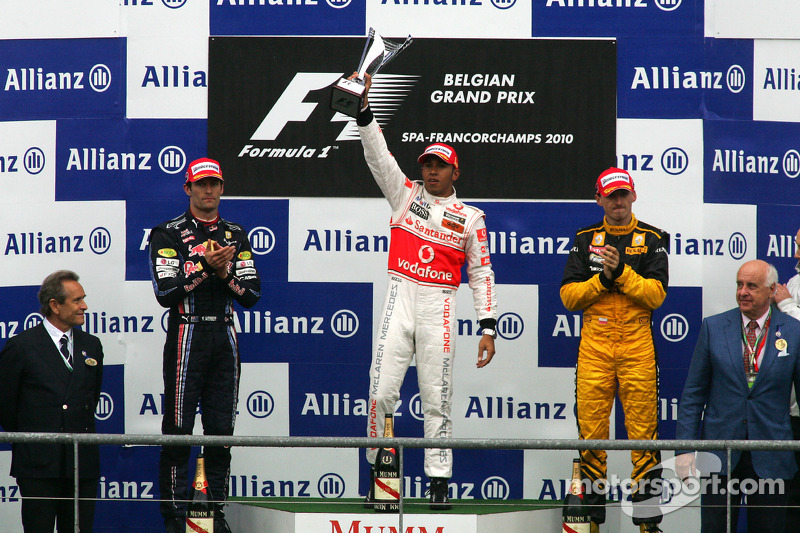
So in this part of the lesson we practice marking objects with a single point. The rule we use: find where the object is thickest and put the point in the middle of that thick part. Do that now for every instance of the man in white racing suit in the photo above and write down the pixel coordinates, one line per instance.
(432, 235)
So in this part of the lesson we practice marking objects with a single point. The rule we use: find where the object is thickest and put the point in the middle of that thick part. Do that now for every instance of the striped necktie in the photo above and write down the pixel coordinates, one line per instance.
(65, 351)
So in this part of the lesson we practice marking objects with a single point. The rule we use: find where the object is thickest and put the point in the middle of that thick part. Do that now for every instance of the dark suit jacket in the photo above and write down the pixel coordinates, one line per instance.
(716, 388)
(38, 393)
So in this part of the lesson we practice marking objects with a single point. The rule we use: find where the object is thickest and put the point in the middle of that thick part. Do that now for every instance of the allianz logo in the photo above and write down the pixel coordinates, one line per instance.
(32, 161)
(673, 327)
(275, 4)
(10, 328)
(674, 78)
(171, 159)
(343, 323)
(105, 407)
(126, 490)
(781, 245)
(37, 79)
(97, 241)
(262, 240)
(491, 488)
(740, 162)
(735, 246)
(499, 4)
(663, 5)
(329, 485)
(172, 4)
(674, 161)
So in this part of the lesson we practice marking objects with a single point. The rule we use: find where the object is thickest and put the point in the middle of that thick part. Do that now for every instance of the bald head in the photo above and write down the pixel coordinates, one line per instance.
(755, 288)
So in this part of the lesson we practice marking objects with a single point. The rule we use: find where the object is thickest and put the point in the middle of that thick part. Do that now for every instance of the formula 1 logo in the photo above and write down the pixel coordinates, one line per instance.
(292, 107)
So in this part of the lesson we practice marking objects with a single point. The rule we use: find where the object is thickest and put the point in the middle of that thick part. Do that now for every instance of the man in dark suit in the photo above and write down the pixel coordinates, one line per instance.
(739, 384)
(50, 377)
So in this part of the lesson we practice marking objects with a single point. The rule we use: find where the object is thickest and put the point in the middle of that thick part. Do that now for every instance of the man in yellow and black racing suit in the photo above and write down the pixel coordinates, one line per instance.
(617, 273)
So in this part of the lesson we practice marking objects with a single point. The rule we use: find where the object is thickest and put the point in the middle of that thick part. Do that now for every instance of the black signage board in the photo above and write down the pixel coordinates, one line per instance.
(529, 118)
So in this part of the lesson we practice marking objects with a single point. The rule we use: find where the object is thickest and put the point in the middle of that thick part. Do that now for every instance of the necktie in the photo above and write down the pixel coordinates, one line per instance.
(749, 363)
(65, 351)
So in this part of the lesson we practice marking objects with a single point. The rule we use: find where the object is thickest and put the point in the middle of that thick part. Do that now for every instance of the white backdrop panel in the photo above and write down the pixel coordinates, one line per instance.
(65, 19)
(88, 238)
(776, 87)
(167, 76)
(746, 19)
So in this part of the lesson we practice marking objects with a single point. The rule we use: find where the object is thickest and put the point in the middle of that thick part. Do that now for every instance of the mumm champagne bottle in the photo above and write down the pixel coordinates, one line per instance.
(576, 519)
(387, 475)
(200, 512)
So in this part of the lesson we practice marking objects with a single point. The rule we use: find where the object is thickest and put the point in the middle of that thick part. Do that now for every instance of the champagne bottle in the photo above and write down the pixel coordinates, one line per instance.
(387, 475)
(576, 518)
(200, 512)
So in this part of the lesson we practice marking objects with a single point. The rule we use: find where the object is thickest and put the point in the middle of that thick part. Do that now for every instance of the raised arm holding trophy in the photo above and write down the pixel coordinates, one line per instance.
(349, 93)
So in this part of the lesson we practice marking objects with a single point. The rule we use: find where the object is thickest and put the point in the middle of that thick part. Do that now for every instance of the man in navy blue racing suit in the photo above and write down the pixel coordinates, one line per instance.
(200, 264)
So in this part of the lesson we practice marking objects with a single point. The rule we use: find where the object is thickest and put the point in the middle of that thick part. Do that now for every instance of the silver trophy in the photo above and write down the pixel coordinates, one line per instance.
(348, 94)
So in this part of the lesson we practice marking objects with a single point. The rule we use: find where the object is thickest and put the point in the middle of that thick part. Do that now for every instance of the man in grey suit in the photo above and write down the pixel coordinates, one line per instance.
(739, 384)
(50, 378)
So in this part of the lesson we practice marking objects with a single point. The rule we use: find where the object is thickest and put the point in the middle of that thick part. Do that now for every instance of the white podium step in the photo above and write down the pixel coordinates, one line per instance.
(257, 519)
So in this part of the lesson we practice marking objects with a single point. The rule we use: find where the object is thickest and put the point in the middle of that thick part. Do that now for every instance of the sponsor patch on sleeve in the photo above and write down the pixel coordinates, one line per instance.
(167, 252)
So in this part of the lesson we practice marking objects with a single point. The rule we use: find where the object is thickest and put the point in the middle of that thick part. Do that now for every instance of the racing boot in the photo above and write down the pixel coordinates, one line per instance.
(220, 524)
(175, 525)
(440, 501)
